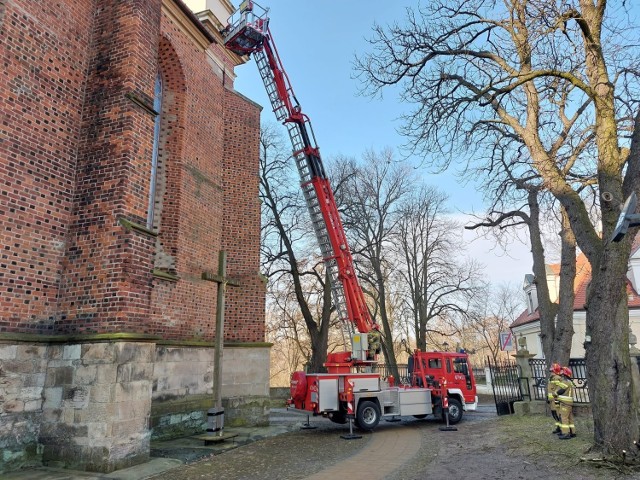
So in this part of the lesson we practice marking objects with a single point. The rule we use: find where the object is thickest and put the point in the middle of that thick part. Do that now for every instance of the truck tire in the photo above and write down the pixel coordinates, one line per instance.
(455, 411)
(368, 415)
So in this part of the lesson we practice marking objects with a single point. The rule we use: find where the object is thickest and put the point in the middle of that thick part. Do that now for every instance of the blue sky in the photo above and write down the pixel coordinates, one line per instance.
(317, 42)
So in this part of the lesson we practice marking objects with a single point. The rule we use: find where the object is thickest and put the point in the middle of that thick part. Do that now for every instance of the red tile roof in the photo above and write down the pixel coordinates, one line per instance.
(583, 278)
(525, 318)
(580, 285)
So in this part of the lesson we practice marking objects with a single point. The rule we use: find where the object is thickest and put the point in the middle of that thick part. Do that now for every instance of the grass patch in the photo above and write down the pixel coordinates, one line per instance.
(530, 436)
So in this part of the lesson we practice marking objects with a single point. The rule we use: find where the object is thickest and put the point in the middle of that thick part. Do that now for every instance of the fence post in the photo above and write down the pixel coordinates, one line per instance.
(527, 384)
(488, 381)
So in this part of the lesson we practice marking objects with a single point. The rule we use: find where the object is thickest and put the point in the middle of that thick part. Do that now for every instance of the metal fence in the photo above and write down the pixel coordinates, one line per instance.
(480, 374)
(540, 375)
(385, 371)
(507, 386)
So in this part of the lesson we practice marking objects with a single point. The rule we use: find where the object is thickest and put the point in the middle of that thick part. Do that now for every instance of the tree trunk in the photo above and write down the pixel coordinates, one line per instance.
(319, 342)
(421, 333)
(563, 333)
(320, 336)
(387, 337)
(613, 397)
(318, 356)
(546, 308)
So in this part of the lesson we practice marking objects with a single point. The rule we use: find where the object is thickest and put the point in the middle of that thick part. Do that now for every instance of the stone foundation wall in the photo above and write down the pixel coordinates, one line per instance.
(246, 386)
(22, 379)
(95, 406)
(246, 411)
(183, 388)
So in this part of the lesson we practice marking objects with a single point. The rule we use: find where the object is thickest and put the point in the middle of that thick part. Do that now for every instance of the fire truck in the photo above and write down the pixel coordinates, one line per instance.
(437, 382)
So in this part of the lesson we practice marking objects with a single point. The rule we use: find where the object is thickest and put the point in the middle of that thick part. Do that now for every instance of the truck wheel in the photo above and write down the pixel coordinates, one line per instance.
(368, 415)
(455, 411)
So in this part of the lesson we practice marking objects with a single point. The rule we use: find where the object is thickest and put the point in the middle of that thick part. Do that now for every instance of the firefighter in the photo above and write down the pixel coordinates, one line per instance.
(552, 387)
(564, 404)
(373, 339)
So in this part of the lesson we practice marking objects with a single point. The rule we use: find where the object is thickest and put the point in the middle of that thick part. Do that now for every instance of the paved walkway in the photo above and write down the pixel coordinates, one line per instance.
(386, 452)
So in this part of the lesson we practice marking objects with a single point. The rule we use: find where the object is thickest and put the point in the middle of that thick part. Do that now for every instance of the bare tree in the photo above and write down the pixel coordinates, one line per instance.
(556, 318)
(429, 247)
(286, 330)
(554, 77)
(286, 327)
(285, 249)
(369, 196)
(492, 314)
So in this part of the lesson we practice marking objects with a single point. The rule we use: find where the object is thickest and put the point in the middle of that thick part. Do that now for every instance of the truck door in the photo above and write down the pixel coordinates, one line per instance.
(463, 378)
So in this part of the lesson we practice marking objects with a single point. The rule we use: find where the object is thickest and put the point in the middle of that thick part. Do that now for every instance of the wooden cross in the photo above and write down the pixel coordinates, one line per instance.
(220, 278)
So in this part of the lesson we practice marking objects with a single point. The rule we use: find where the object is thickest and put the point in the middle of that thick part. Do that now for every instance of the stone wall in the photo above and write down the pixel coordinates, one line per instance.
(22, 380)
(96, 406)
(97, 399)
(183, 388)
(82, 406)
(246, 386)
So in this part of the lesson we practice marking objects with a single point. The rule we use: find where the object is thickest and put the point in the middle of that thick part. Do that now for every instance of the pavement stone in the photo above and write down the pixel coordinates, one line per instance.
(382, 452)
(387, 450)
(169, 454)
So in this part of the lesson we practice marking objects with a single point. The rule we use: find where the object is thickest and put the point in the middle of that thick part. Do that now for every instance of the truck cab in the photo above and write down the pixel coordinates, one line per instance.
(447, 374)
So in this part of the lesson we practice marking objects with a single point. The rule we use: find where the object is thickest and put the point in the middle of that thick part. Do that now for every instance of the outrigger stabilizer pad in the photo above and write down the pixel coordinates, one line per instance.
(307, 426)
(351, 435)
(448, 428)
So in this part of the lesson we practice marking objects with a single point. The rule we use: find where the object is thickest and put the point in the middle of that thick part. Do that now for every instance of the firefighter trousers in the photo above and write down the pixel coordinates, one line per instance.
(566, 418)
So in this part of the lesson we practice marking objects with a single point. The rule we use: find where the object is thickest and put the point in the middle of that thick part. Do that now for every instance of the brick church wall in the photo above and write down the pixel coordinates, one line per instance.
(241, 218)
(87, 286)
(44, 55)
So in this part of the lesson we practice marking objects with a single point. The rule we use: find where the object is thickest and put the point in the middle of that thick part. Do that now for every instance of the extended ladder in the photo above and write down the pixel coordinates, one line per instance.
(308, 190)
(249, 34)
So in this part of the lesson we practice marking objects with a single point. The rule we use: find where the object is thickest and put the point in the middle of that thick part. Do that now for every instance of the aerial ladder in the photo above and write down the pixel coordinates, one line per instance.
(437, 381)
(248, 34)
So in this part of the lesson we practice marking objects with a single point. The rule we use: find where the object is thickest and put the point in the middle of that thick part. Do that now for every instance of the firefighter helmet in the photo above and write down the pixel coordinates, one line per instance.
(566, 371)
(556, 368)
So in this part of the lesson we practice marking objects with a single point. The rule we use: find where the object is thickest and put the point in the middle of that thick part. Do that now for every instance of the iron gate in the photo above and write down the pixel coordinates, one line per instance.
(507, 387)
(578, 366)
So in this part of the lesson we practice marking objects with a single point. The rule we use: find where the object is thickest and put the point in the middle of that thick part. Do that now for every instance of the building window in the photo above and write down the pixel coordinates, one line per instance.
(157, 106)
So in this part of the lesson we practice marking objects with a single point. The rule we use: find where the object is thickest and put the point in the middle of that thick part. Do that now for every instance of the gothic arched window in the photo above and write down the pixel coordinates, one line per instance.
(157, 106)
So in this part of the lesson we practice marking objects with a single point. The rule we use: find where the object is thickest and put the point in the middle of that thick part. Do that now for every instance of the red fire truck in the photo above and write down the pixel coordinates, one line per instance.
(349, 390)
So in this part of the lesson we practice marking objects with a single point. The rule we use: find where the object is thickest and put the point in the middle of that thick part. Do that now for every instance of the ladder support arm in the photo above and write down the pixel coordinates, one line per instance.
(248, 33)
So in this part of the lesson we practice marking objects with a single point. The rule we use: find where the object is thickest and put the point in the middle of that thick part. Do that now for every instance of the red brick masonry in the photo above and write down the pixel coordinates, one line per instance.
(76, 140)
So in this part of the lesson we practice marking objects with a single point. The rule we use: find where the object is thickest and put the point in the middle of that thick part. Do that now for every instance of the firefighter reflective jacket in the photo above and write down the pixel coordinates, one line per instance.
(565, 391)
(552, 386)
